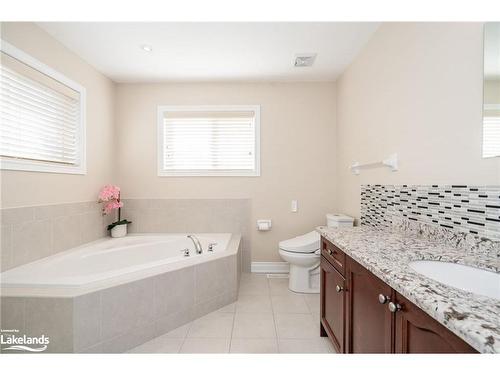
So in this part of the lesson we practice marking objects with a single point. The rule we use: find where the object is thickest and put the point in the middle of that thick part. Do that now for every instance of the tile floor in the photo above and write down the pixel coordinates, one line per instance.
(266, 318)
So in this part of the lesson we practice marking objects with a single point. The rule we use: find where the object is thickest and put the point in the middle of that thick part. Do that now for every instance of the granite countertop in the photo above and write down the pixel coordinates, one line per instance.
(474, 318)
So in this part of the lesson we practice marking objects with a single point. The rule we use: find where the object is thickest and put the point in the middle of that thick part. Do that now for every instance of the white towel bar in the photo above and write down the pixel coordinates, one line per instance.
(391, 162)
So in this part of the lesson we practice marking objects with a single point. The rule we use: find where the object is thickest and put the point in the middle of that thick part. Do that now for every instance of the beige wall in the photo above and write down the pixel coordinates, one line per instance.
(415, 89)
(34, 188)
(297, 152)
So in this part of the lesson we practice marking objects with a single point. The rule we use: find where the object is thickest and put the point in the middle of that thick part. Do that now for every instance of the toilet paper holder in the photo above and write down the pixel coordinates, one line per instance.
(264, 224)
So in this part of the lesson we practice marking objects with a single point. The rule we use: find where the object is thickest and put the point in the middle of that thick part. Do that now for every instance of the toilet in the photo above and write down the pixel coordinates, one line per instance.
(303, 254)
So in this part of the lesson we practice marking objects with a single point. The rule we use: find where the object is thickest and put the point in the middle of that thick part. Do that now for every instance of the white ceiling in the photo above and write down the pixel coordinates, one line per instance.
(214, 51)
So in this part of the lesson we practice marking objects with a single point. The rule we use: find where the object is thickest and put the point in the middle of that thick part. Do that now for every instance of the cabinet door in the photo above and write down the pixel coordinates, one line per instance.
(332, 304)
(417, 332)
(369, 321)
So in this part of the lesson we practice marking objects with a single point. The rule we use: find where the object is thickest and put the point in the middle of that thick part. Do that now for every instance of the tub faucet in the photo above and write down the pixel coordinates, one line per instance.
(196, 242)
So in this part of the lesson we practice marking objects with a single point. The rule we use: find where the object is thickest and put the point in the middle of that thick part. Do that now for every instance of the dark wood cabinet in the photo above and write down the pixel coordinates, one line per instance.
(362, 314)
(369, 321)
(417, 332)
(332, 304)
(334, 255)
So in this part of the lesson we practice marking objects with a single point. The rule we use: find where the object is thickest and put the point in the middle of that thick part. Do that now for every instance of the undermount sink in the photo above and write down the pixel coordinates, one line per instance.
(467, 278)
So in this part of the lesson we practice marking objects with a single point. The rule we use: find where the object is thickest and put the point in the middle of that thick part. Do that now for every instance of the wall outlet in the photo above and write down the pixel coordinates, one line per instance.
(295, 206)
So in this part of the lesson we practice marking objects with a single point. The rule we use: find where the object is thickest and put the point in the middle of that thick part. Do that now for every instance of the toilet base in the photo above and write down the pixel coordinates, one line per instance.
(302, 280)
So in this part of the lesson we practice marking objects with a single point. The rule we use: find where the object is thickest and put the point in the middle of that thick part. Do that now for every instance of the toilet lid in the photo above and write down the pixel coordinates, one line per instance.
(307, 243)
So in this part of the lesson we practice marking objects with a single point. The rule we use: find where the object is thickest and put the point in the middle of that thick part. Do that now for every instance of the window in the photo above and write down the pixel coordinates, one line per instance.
(491, 136)
(208, 141)
(42, 116)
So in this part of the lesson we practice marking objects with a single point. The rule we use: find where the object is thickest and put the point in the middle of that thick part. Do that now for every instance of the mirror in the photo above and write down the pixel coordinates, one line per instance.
(491, 95)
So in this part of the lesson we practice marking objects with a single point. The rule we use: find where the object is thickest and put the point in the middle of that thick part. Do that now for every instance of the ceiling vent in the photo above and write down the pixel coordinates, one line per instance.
(304, 59)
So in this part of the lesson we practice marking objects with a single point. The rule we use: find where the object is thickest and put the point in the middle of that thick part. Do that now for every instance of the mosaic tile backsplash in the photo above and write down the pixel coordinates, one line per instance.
(463, 208)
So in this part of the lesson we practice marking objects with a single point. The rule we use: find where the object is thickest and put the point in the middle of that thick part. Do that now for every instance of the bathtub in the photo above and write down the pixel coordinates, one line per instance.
(111, 261)
(116, 293)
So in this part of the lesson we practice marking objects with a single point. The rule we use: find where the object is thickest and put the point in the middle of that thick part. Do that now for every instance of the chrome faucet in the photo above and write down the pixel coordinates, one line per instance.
(196, 242)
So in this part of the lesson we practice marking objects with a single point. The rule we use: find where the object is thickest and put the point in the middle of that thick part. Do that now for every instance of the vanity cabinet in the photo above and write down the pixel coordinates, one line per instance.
(362, 314)
(332, 304)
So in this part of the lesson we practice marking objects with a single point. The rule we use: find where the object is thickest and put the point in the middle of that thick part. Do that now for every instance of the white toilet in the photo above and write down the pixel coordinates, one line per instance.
(303, 255)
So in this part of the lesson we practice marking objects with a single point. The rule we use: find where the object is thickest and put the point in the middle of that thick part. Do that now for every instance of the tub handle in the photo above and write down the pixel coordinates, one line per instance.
(211, 246)
(185, 252)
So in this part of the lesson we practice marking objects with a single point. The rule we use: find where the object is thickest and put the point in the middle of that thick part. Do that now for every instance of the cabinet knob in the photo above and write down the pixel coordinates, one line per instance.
(330, 252)
(394, 307)
(383, 299)
(339, 289)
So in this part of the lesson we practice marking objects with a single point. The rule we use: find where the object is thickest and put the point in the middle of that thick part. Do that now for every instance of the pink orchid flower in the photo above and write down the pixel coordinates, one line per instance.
(110, 196)
(108, 193)
(111, 205)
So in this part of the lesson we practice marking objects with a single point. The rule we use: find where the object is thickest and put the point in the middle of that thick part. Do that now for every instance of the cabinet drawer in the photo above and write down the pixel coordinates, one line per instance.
(334, 255)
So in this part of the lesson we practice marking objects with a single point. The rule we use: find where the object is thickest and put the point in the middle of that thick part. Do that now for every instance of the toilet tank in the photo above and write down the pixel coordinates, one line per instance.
(337, 220)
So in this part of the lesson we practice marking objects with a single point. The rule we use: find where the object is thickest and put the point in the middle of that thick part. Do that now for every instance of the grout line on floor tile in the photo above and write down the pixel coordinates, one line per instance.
(182, 345)
(274, 320)
(232, 330)
(185, 337)
(189, 328)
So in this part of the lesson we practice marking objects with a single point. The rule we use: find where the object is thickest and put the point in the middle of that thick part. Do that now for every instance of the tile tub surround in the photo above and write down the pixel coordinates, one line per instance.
(192, 215)
(460, 208)
(118, 318)
(31, 233)
(386, 253)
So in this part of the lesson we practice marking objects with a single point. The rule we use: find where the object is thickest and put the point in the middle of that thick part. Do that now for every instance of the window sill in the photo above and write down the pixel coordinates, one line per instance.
(35, 166)
(222, 173)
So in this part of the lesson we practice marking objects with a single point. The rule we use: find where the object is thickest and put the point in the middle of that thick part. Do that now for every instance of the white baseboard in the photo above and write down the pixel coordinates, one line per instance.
(270, 267)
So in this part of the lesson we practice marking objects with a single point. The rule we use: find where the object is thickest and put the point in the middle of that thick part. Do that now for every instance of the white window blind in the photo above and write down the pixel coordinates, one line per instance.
(209, 142)
(41, 119)
(491, 136)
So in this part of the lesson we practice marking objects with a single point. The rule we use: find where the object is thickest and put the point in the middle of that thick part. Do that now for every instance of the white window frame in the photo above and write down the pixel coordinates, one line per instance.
(45, 166)
(204, 108)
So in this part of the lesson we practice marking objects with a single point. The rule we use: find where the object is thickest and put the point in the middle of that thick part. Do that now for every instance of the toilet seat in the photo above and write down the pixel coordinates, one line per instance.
(306, 244)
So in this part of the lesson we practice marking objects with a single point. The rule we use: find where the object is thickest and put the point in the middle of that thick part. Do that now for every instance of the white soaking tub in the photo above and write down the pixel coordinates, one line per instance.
(116, 293)
(110, 261)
